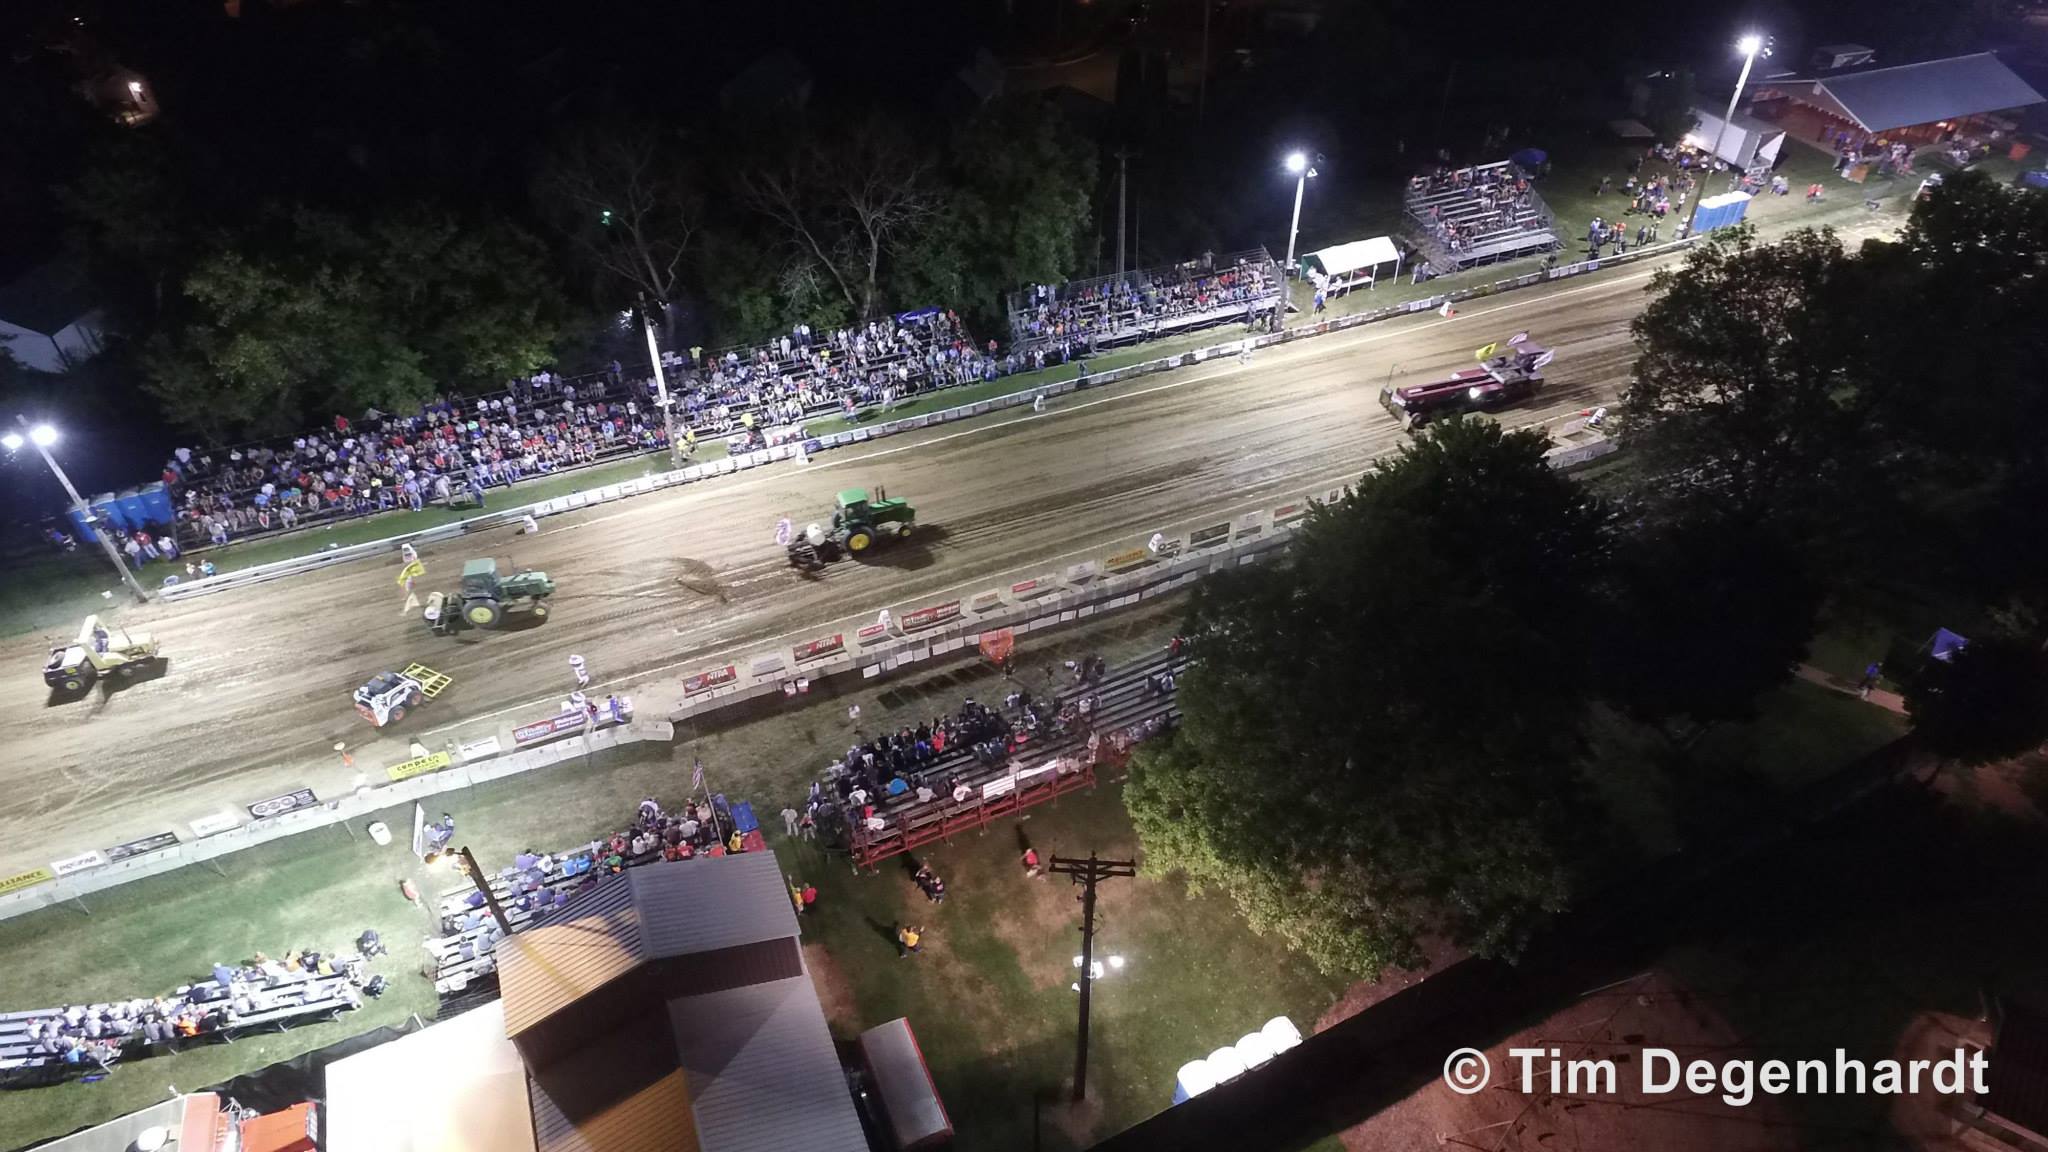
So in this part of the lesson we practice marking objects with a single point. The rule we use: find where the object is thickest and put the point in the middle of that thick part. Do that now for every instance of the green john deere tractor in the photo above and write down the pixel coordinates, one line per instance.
(486, 597)
(858, 524)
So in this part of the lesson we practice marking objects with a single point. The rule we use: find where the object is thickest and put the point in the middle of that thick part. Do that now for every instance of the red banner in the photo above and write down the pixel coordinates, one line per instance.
(930, 617)
(706, 681)
(823, 646)
(872, 631)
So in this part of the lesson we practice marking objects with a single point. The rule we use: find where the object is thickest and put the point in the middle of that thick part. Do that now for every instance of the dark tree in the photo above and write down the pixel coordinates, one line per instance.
(1380, 737)
(1712, 609)
(1984, 703)
(624, 196)
(1747, 379)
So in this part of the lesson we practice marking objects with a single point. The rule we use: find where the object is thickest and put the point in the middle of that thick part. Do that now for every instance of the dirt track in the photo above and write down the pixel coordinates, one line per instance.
(257, 688)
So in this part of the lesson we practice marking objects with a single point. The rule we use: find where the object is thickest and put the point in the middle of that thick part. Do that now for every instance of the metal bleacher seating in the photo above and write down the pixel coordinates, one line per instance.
(281, 1002)
(1125, 702)
(1106, 311)
(1458, 224)
(462, 957)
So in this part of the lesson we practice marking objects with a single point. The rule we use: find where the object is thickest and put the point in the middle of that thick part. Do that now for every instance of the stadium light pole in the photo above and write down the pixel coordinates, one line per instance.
(1297, 163)
(1749, 46)
(668, 423)
(42, 436)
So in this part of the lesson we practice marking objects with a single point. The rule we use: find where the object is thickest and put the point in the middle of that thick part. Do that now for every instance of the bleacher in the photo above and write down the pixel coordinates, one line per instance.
(1126, 708)
(143, 1027)
(1482, 214)
(463, 954)
(1144, 304)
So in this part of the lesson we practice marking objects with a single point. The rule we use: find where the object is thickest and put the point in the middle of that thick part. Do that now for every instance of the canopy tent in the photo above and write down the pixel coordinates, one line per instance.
(1343, 262)
(1747, 143)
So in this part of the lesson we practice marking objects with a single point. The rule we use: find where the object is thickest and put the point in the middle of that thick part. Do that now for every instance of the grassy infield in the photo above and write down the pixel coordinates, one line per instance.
(990, 997)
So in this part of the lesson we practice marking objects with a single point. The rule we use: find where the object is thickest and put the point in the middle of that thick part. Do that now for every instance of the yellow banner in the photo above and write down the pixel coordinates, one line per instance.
(418, 767)
(1127, 558)
(20, 880)
(406, 574)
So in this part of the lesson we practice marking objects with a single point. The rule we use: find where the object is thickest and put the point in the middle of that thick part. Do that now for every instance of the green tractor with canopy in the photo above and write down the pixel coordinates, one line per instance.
(859, 522)
(486, 597)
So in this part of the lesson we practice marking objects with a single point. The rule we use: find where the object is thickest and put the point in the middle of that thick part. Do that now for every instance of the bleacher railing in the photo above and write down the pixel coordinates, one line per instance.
(1024, 301)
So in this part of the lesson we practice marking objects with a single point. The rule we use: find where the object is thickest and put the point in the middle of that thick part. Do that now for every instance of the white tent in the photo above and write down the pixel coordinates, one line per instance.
(1341, 264)
(1749, 142)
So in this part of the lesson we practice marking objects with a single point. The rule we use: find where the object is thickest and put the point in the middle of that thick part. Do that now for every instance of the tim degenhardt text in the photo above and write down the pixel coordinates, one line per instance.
(1662, 1072)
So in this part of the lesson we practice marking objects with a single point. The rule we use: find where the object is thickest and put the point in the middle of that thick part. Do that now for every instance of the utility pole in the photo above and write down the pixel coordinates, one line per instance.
(668, 423)
(84, 513)
(1123, 155)
(1087, 873)
(476, 877)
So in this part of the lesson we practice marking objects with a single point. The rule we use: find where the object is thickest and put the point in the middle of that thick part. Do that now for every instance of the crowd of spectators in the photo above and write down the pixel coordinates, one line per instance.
(306, 982)
(539, 884)
(1091, 313)
(456, 450)
(803, 374)
(453, 451)
(1464, 207)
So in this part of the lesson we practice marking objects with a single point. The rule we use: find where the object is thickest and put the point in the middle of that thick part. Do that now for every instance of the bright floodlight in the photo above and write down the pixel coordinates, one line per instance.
(11, 441)
(43, 435)
(1296, 162)
(1750, 44)
(1116, 962)
(135, 89)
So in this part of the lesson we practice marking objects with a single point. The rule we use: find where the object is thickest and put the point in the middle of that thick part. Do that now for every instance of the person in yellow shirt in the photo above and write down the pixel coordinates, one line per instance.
(908, 938)
(735, 843)
(796, 895)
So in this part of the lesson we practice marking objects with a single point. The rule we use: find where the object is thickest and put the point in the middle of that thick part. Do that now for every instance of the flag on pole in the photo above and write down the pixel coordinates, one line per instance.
(697, 777)
(1485, 352)
(407, 573)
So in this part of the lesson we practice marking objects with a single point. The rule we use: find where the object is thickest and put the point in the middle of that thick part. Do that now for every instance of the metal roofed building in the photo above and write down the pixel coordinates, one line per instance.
(1908, 101)
(668, 1010)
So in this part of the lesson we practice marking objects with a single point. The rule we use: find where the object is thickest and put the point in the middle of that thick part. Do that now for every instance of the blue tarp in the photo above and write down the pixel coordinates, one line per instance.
(1530, 157)
(1945, 644)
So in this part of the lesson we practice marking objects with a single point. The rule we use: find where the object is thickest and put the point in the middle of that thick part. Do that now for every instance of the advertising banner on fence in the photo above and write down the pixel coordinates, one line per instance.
(154, 843)
(479, 749)
(28, 879)
(215, 824)
(82, 862)
(706, 681)
(818, 649)
(1213, 534)
(930, 617)
(549, 728)
(418, 766)
(279, 805)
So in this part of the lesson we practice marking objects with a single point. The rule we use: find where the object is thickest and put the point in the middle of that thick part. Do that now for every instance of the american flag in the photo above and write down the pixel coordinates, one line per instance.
(697, 777)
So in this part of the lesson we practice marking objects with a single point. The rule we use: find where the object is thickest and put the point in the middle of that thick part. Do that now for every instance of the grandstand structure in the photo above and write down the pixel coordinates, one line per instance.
(1140, 305)
(457, 449)
(1481, 214)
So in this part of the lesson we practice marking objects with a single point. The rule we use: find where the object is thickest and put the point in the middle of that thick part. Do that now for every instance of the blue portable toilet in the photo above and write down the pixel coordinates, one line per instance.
(132, 507)
(108, 509)
(79, 524)
(157, 506)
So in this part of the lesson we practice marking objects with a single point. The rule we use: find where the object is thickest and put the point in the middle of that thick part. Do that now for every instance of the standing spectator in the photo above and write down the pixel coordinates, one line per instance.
(581, 670)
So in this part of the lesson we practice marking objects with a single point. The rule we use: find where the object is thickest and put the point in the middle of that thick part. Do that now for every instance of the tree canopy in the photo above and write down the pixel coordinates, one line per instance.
(1379, 736)
(313, 313)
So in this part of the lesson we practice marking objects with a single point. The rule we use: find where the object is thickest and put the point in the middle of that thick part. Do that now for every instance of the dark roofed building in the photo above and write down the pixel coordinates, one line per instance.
(667, 1010)
(1914, 103)
(48, 321)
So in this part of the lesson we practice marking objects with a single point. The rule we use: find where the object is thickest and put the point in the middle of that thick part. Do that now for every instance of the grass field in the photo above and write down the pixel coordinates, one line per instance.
(991, 996)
